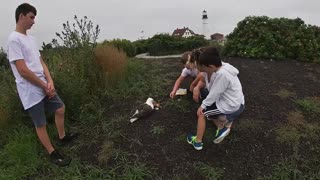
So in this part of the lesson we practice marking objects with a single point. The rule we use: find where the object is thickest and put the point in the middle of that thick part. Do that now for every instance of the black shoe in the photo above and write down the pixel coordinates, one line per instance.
(59, 159)
(68, 138)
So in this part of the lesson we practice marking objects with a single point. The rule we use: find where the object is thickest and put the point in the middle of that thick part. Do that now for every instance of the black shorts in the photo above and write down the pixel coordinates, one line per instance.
(212, 112)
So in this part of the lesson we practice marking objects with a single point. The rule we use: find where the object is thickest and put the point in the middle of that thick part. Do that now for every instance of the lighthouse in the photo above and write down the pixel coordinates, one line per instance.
(205, 26)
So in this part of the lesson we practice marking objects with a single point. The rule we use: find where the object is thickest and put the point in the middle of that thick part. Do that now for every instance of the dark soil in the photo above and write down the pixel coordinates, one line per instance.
(247, 153)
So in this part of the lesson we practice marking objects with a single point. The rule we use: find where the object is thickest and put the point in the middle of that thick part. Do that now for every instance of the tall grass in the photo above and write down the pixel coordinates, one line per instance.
(18, 158)
(10, 105)
(113, 62)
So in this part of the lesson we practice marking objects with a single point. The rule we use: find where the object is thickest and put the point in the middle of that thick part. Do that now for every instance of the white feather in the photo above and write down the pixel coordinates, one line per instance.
(133, 120)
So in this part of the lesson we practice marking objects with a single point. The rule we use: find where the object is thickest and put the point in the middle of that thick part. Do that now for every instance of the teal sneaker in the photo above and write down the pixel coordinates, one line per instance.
(192, 140)
(221, 134)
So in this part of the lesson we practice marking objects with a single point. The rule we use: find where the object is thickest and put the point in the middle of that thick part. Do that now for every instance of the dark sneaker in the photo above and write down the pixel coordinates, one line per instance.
(192, 140)
(59, 159)
(221, 134)
(68, 138)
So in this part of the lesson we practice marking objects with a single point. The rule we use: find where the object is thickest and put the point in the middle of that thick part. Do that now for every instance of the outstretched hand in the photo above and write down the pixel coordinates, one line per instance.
(172, 94)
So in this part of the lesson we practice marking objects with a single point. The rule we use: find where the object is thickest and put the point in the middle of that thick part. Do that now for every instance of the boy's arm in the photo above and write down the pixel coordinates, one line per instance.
(50, 85)
(27, 74)
(176, 86)
(219, 85)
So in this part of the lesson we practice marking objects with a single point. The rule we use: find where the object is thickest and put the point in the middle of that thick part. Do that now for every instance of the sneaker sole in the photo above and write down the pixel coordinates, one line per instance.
(223, 135)
(190, 142)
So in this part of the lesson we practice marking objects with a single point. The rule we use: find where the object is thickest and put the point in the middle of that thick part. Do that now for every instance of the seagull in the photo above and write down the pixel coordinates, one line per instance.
(145, 110)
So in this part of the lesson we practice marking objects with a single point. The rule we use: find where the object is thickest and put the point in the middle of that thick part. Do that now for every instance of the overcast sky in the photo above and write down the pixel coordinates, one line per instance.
(126, 19)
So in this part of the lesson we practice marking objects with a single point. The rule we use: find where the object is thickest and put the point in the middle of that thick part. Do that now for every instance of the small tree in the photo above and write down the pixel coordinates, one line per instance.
(81, 34)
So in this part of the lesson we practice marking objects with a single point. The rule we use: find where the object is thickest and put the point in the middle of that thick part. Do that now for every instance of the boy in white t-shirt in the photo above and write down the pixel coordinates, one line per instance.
(34, 83)
(191, 71)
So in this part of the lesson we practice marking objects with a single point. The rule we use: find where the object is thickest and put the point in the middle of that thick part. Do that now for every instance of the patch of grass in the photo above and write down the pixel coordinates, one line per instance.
(297, 128)
(158, 130)
(310, 106)
(288, 135)
(311, 131)
(76, 170)
(181, 138)
(106, 152)
(19, 158)
(283, 170)
(296, 119)
(207, 171)
(136, 171)
(250, 124)
(183, 105)
(283, 93)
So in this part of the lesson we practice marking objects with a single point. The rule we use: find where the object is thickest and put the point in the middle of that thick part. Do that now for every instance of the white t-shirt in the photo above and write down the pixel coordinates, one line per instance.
(21, 46)
(189, 72)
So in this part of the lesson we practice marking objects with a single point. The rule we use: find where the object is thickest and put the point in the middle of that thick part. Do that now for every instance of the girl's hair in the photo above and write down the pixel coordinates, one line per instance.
(185, 56)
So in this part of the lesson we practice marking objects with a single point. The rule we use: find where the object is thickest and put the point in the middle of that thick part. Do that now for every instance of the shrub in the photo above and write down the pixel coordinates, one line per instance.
(277, 38)
(141, 46)
(72, 65)
(10, 105)
(123, 45)
(3, 59)
(113, 62)
(81, 34)
(164, 44)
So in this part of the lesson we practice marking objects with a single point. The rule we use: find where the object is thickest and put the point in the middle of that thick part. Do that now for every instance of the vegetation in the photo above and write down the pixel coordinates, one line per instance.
(276, 38)
(92, 77)
(123, 45)
(3, 59)
(82, 33)
(163, 44)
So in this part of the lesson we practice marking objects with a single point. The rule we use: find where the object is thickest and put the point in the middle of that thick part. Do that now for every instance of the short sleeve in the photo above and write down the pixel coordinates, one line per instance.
(185, 72)
(14, 51)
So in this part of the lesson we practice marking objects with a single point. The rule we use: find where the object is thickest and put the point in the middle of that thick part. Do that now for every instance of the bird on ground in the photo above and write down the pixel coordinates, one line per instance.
(145, 110)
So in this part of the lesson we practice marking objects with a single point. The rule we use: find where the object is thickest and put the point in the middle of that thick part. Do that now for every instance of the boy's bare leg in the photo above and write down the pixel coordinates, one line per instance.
(201, 127)
(222, 122)
(59, 120)
(196, 91)
(44, 138)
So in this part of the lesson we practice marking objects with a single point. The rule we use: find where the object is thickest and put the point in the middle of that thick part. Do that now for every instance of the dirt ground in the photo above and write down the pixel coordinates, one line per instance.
(251, 149)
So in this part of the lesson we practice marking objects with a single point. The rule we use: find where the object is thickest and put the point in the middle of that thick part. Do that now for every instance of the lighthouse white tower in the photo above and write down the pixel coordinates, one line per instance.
(205, 26)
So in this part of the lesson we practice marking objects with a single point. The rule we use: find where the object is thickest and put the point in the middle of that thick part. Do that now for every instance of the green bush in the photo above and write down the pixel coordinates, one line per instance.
(164, 44)
(3, 59)
(72, 65)
(141, 46)
(277, 38)
(10, 105)
(81, 34)
(127, 46)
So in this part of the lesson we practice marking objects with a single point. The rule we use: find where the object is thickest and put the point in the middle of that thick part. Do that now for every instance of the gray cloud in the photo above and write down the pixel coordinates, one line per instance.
(126, 19)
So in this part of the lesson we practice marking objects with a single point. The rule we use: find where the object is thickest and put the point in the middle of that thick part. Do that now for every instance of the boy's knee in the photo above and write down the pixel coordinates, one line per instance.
(41, 126)
(61, 110)
(201, 116)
